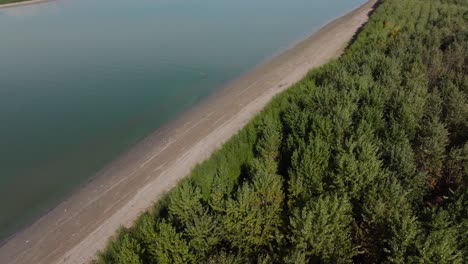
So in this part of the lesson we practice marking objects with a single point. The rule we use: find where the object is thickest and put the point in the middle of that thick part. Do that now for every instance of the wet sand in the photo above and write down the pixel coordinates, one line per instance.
(81, 225)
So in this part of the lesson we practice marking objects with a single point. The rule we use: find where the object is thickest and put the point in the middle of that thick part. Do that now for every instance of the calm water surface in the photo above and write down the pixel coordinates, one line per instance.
(83, 80)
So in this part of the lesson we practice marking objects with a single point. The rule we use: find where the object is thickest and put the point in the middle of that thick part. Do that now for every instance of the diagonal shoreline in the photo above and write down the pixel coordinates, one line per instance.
(81, 225)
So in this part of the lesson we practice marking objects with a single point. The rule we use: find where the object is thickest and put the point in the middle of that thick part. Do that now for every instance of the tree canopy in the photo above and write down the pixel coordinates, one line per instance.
(363, 161)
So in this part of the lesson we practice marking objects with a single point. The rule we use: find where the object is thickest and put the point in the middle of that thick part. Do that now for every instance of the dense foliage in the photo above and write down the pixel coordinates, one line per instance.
(365, 160)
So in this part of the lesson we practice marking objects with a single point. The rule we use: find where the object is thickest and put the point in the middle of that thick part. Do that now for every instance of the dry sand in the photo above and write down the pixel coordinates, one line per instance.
(80, 226)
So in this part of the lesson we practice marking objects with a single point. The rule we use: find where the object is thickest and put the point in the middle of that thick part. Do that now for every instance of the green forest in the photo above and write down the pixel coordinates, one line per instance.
(363, 161)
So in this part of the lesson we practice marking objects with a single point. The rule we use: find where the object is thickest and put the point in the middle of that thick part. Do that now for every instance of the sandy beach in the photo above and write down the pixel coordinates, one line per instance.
(81, 225)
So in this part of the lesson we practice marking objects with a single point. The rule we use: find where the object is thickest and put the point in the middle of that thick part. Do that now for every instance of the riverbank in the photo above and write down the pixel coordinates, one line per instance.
(77, 228)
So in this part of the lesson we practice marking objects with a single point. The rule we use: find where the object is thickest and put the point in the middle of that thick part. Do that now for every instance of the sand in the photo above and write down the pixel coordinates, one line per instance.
(81, 225)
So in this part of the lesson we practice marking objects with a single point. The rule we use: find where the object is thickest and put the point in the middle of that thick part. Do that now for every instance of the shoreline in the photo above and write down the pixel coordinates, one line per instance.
(24, 3)
(81, 225)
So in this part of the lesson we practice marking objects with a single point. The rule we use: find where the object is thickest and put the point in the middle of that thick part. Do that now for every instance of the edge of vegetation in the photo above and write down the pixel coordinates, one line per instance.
(365, 160)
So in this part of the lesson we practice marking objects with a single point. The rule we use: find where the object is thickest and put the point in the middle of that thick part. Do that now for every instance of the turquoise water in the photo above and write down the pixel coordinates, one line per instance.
(81, 81)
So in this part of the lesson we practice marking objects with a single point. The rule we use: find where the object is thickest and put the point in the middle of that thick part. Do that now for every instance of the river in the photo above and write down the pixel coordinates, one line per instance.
(81, 81)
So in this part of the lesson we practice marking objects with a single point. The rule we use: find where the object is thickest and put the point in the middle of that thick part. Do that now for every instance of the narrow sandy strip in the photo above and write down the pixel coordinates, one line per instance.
(75, 230)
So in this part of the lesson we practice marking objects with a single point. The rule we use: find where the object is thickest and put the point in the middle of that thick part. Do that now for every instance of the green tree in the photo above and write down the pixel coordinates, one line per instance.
(455, 112)
(184, 202)
(145, 233)
(322, 232)
(440, 245)
(204, 233)
(357, 165)
(170, 246)
(309, 166)
(388, 226)
(400, 159)
(456, 168)
(432, 141)
(125, 250)
(269, 143)
(253, 219)
(225, 258)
